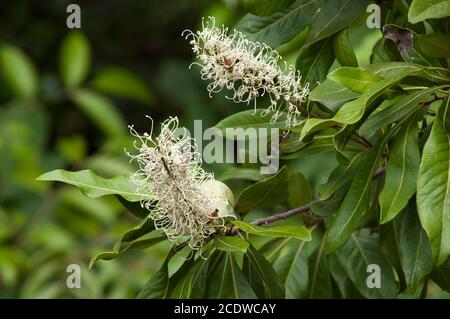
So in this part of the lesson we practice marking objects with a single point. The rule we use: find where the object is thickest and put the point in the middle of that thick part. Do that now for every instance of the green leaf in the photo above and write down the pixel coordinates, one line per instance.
(293, 270)
(353, 111)
(138, 244)
(390, 247)
(95, 186)
(259, 271)
(298, 232)
(133, 207)
(250, 174)
(265, 7)
(120, 82)
(342, 175)
(75, 59)
(282, 26)
(384, 51)
(18, 71)
(421, 10)
(344, 284)
(435, 45)
(331, 91)
(361, 251)
(320, 285)
(415, 252)
(101, 111)
(228, 243)
(300, 190)
(355, 203)
(158, 285)
(401, 172)
(441, 276)
(343, 49)
(193, 284)
(129, 241)
(334, 16)
(265, 193)
(433, 186)
(400, 108)
(315, 61)
(356, 79)
(228, 282)
(250, 120)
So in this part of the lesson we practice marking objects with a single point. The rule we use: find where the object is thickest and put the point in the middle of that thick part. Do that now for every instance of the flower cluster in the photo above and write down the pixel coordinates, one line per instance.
(173, 181)
(249, 69)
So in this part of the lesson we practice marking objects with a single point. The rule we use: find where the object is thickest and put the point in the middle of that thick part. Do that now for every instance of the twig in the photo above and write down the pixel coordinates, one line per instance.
(267, 220)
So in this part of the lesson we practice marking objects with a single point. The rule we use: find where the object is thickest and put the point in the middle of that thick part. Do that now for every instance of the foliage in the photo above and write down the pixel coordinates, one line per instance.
(383, 125)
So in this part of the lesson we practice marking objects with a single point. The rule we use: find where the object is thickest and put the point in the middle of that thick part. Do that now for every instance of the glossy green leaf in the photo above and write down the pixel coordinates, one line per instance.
(250, 120)
(315, 61)
(265, 193)
(292, 268)
(433, 186)
(133, 207)
(119, 250)
(361, 251)
(18, 71)
(282, 26)
(421, 10)
(356, 79)
(227, 281)
(331, 91)
(334, 16)
(298, 232)
(342, 281)
(343, 49)
(95, 186)
(300, 190)
(415, 252)
(320, 284)
(441, 276)
(435, 45)
(229, 243)
(258, 270)
(193, 283)
(240, 173)
(75, 59)
(400, 108)
(120, 82)
(401, 172)
(353, 111)
(339, 177)
(130, 240)
(158, 285)
(266, 7)
(101, 111)
(356, 202)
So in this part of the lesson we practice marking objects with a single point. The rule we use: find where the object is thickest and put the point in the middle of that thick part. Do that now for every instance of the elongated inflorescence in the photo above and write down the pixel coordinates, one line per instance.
(248, 69)
(171, 178)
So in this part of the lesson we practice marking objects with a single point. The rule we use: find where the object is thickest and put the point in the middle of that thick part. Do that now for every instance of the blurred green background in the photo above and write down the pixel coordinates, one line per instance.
(66, 98)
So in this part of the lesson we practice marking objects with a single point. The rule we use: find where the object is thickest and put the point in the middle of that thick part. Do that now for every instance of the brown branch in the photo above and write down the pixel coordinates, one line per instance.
(267, 220)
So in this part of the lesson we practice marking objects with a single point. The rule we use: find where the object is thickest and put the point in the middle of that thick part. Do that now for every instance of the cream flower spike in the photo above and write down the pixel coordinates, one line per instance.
(248, 69)
(171, 177)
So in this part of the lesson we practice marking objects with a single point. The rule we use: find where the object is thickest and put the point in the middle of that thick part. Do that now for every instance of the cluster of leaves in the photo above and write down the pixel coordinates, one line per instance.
(386, 201)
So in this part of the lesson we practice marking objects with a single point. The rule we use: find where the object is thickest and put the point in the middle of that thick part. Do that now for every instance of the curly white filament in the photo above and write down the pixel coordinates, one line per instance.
(172, 179)
(248, 69)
